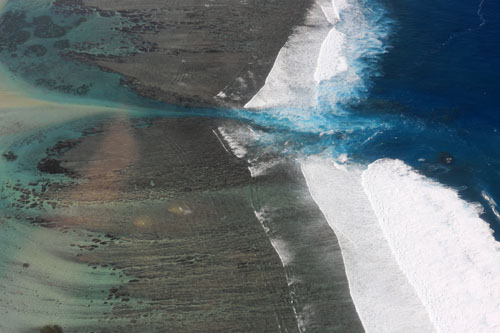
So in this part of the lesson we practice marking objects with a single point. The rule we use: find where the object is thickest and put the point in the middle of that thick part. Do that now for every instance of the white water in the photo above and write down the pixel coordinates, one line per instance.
(291, 80)
(330, 49)
(384, 299)
(491, 203)
(331, 61)
(286, 257)
(237, 148)
(414, 252)
(446, 251)
(236, 138)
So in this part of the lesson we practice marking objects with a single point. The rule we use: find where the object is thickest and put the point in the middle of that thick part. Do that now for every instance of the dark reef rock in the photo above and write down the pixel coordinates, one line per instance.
(51, 166)
(53, 85)
(182, 54)
(62, 44)
(11, 31)
(9, 156)
(445, 158)
(79, 21)
(19, 37)
(62, 146)
(46, 28)
(35, 50)
(12, 22)
(51, 329)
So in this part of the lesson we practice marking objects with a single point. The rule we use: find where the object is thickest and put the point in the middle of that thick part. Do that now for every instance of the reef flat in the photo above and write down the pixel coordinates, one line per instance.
(113, 220)
(197, 52)
(174, 226)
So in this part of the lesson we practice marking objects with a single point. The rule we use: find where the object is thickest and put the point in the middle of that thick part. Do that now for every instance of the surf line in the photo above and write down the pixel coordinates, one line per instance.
(312, 54)
(383, 297)
(445, 249)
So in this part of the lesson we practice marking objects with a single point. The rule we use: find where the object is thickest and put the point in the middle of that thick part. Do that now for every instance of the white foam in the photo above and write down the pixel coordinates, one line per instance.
(384, 299)
(286, 257)
(331, 48)
(283, 251)
(491, 203)
(237, 148)
(258, 168)
(238, 138)
(291, 81)
(332, 9)
(221, 94)
(331, 61)
(447, 252)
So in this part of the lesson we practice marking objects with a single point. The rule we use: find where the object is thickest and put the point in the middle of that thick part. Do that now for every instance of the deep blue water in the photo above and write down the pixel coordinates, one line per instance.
(429, 74)
(427, 94)
(442, 73)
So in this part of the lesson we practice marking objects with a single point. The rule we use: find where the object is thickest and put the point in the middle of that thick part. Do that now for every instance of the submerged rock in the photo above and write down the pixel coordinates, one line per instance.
(52, 84)
(46, 28)
(11, 25)
(52, 166)
(10, 156)
(51, 329)
(35, 50)
(19, 37)
(445, 158)
(62, 44)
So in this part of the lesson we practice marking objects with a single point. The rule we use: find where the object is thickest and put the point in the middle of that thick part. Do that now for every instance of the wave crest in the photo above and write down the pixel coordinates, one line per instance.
(445, 249)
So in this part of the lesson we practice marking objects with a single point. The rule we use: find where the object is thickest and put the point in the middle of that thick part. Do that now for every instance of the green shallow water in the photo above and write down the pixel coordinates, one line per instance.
(36, 38)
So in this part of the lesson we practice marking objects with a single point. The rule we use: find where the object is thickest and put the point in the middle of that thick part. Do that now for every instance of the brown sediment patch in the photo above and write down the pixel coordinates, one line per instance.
(170, 157)
(174, 210)
(196, 49)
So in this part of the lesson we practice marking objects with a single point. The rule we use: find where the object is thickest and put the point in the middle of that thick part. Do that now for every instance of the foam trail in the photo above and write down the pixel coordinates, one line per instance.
(286, 257)
(491, 203)
(446, 251)
(237, 148)
(332, 9)
(384, 299)
(257, 168)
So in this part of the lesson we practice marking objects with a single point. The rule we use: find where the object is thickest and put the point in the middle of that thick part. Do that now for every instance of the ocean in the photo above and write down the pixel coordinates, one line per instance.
(389, 108)
(420, 88)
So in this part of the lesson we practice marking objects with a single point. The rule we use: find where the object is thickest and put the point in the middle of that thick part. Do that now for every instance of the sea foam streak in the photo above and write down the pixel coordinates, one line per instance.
(446, 251)
(384, 299)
